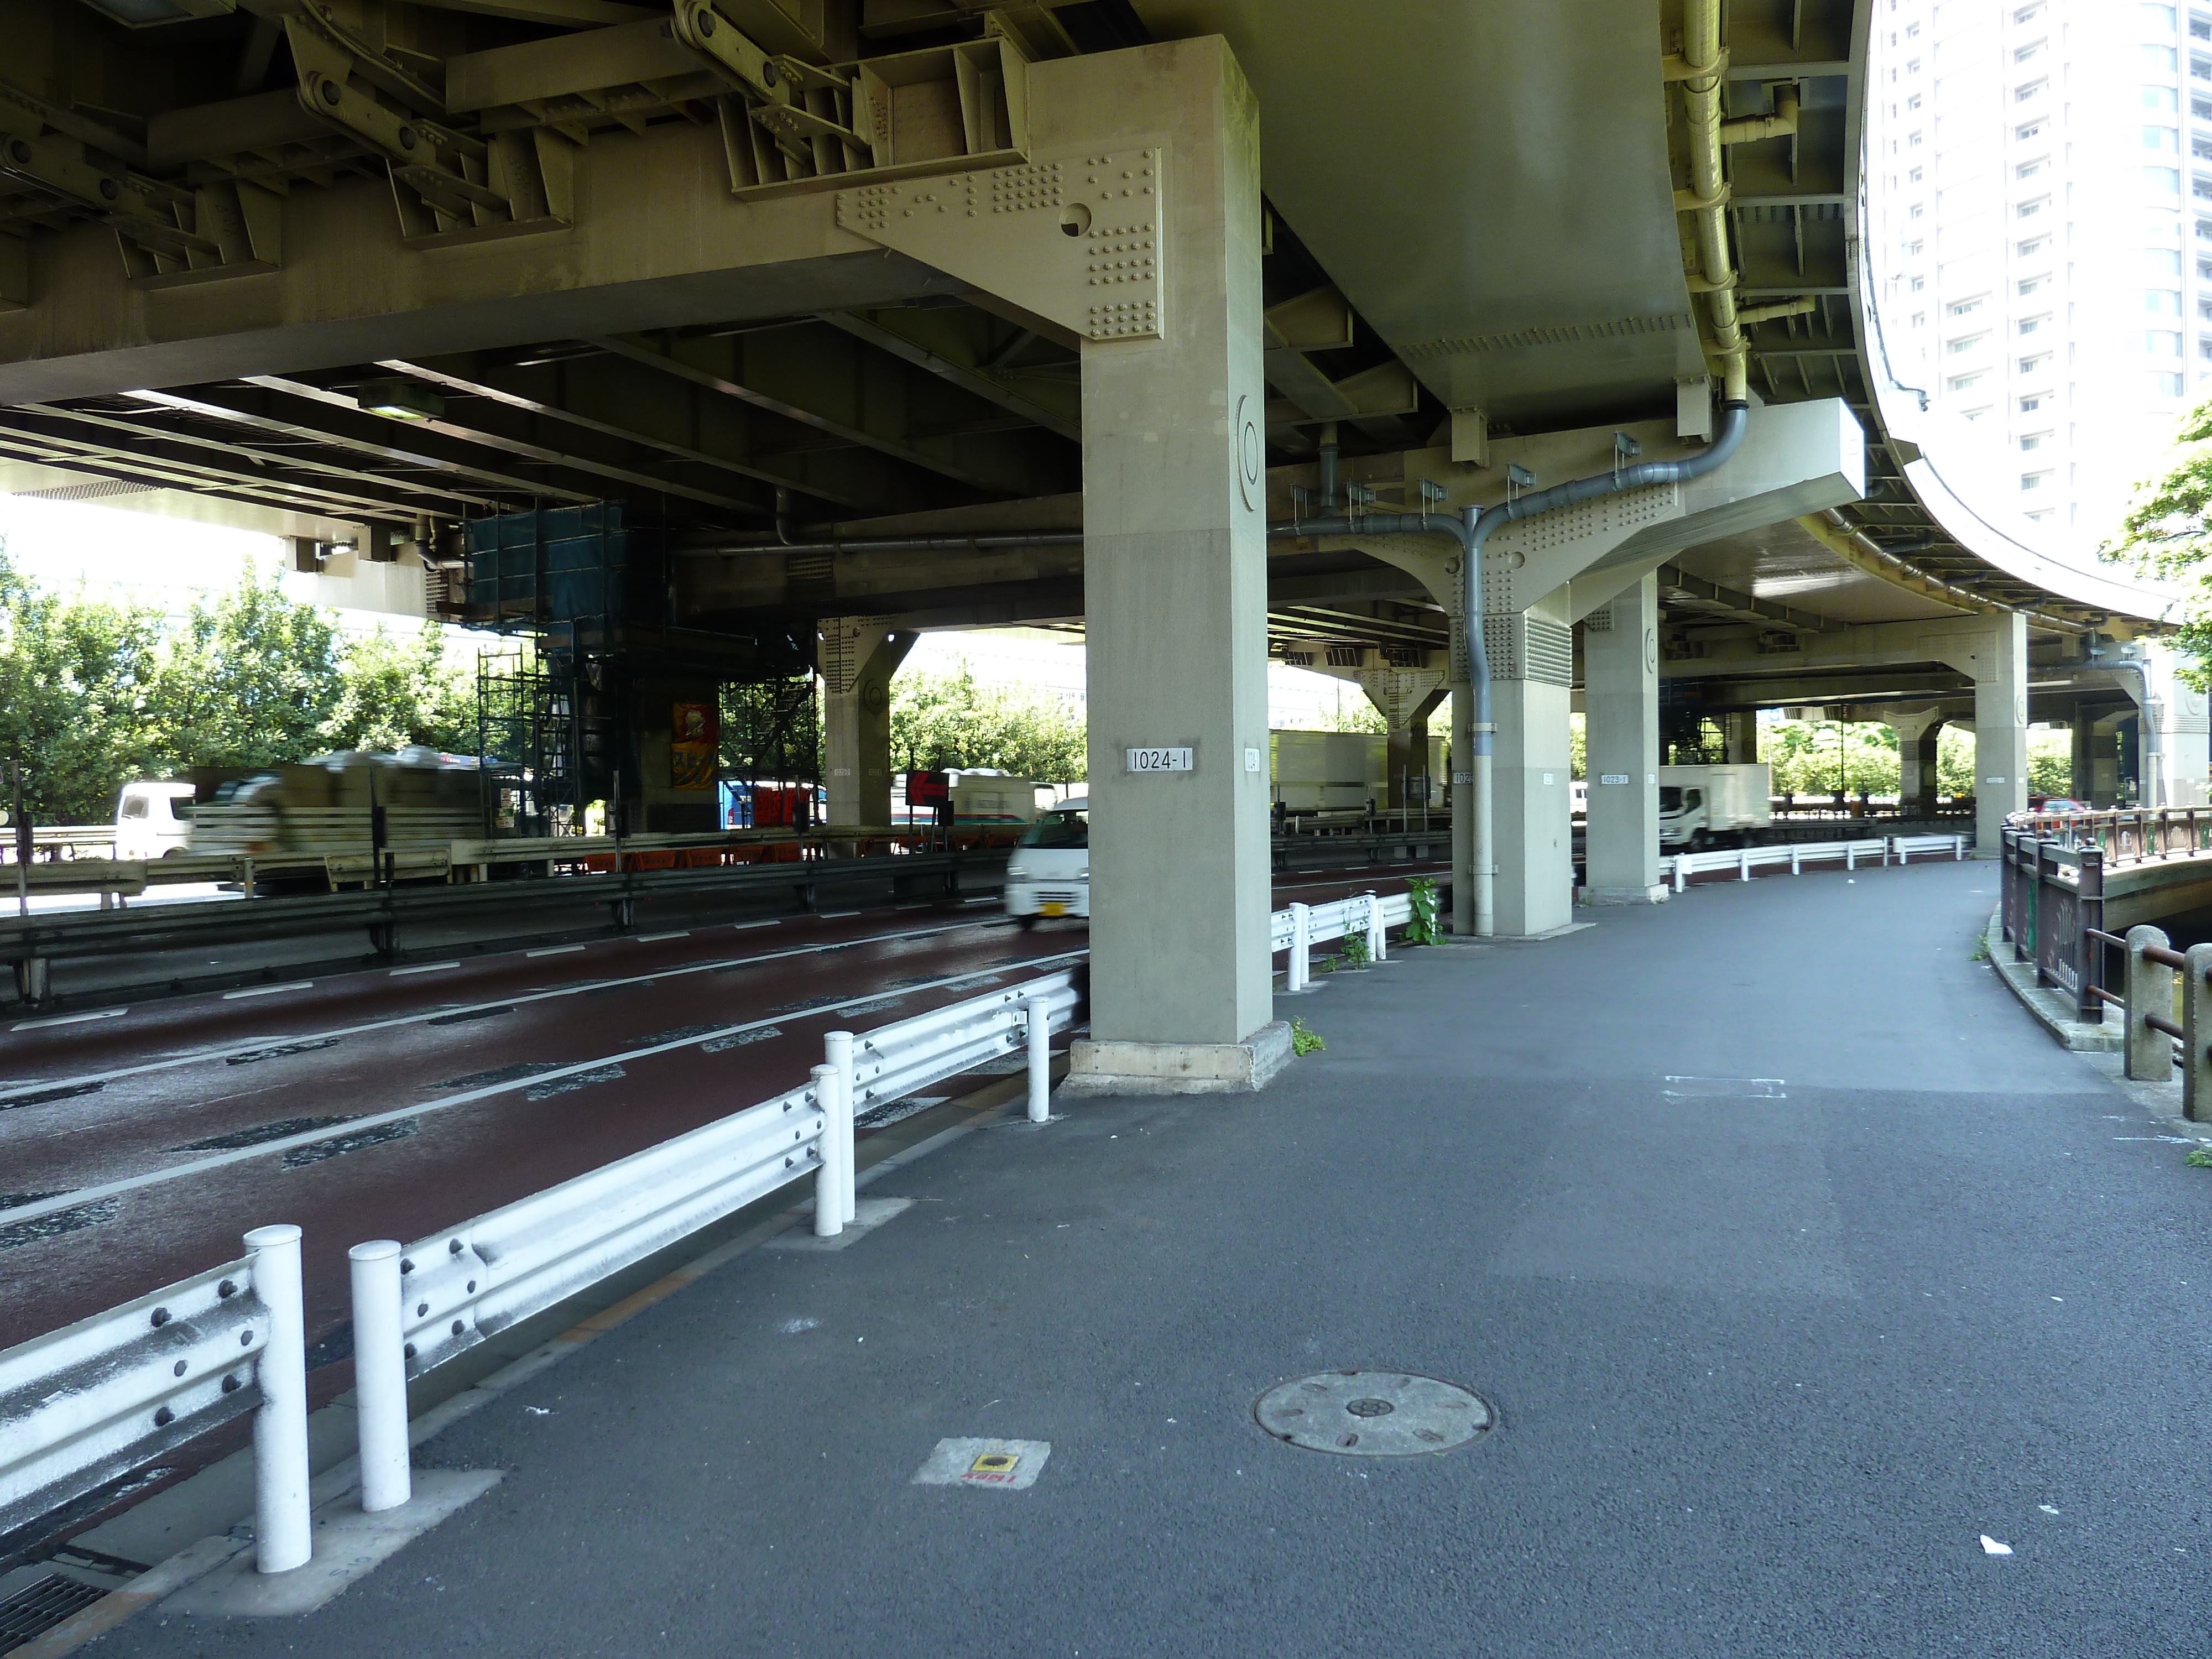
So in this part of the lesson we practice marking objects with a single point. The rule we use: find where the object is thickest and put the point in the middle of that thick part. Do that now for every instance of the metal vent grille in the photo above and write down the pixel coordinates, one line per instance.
(1525, 647)
(1599, 621)
(39, 1606)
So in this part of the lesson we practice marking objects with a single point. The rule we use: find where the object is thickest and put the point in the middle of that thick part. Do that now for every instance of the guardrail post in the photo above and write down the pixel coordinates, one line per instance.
(1681, 877)
(1378, 936)
(1796, 864)
(1851, 856)
(2148, 990)
(2196, 1034)
(828, 1190)
(837, 1050)
(283, 1529)
(1958, 849)
(1295, 972)
(380, 1375)
(1040, 1042)
(2089, 953)
(1743, 864)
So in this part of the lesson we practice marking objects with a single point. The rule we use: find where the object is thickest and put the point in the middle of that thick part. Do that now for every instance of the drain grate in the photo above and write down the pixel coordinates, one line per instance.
(37, 1607)
(1372, 1413)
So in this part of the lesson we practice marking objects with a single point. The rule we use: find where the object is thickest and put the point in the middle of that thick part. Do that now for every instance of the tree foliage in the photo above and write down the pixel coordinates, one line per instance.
(94, 693)
(2166, 533)
(951, 719)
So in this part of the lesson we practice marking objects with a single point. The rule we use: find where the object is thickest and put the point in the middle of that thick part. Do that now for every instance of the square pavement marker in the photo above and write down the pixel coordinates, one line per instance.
(1004, 1465)
(868, 1214)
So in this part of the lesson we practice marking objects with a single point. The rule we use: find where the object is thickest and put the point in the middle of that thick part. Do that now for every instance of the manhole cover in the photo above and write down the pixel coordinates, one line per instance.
(1372, 1413)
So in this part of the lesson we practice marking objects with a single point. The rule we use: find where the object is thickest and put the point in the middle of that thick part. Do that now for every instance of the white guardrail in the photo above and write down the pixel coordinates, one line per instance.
(82, 1406)
(1744, 859)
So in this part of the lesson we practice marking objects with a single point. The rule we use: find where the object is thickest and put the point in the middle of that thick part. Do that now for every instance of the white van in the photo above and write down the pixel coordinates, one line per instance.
(152, 821)
(1049, 874)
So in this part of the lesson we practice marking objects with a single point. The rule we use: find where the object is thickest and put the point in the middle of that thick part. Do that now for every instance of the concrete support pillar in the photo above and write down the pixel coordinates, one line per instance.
(1739, 732)
(2000, 669)
(1406, 697)
(1620, 700)
(1531, 655)
(858, 657)
(1174, 602)
(2175, 764)
(2082, 779)
(1918, 731)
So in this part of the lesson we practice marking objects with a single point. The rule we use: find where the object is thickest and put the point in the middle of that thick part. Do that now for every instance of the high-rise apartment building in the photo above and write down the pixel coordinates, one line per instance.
(2040, 176)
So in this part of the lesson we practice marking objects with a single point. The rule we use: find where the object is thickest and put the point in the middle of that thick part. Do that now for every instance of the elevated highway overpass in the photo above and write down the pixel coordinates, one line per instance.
(870, 317)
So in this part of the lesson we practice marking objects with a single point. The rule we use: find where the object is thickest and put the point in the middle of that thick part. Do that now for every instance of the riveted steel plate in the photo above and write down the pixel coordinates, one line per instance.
(1372, 1413)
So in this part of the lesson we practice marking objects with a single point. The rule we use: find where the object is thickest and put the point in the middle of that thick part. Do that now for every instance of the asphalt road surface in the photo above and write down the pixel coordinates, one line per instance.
(1793, 1260)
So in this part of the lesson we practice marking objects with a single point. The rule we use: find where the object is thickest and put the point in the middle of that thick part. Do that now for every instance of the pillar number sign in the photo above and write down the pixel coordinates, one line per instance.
(1162, 760)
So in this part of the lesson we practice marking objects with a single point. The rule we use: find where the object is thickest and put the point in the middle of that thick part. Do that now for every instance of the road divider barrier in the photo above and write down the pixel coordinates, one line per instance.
(1678, 869)
(1368, 915)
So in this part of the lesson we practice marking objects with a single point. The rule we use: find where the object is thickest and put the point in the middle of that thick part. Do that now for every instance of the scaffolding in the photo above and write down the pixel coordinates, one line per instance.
(528, 738)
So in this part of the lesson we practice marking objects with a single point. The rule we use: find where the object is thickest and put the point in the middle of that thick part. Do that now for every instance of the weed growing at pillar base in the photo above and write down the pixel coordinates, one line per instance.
(1422, 929)
(1304, 1040)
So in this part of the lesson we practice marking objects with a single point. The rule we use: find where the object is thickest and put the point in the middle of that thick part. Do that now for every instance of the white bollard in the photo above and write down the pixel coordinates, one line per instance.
(1958, 849)
(1680, 879)
(1294, 976)
(380, 1375)
(1795, 868)
(283, 1529)
(1743, 864)
(1851, 856)
(1378, 937)
(1904, 852)
(828, 1190)
(1040, 1060)
(837, 1049)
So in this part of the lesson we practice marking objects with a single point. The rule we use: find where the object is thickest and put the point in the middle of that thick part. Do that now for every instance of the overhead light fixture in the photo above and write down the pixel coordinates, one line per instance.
(403, 400)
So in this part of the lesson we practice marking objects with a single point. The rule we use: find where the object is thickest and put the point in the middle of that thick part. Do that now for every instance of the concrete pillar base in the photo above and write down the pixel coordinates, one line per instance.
(1658, 893)
(1096, 1067)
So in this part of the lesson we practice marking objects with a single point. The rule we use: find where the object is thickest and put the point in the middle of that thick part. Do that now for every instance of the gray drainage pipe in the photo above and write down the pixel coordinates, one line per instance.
(1474, 862)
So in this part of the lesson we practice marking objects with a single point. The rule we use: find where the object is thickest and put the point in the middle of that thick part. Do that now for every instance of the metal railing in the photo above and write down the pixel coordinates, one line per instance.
(2051, 912)
(2125, 835)
(1743, 860)
(2156, 1042)
(83, 1407)
(1302, 927)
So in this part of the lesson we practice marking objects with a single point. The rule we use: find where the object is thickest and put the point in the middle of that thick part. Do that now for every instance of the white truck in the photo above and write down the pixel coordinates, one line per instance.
(1049, 874)
(153, 821)
(1702, 806)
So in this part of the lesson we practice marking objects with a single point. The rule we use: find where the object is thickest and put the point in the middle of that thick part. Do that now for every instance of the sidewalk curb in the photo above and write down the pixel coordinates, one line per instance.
(2052, 1009)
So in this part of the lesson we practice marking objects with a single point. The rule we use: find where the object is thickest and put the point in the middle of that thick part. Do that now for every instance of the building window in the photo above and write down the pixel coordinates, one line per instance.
(1968, 344)
(1961, 382)
(1912, 66)
(2200, 27)
(1913, 177)
(2204, 348)
(2163, 181)
(2158, 343)
(2159, 58)
(1914, 211)
(2033, 89)
(1913, 102)
(2157, 15)
(1918, 283)
(1913, 250)
(2164, 100)
(2028, 405)
(2033, 325)
(2029, 13)
(2032, 130)
(2029, 169)
(2022, 54)
(2163, 384)
(2033, 480)
(2201, 68)
(1913, 31)
(2162, 138)
(2032, 440)
(2029, 209)
(2201, 108)
(2038, 363)
(2029, 250)
(1960, 307)
(2031, 285)
(1920, 319)
(2204, 230)
(2162, 302)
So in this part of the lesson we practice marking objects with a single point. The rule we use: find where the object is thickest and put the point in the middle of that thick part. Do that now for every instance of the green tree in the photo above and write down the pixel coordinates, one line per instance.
(74, 677)
(2166, 532)
(953, 719)
(397, 691)
(251, 680)
(1816, 758)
